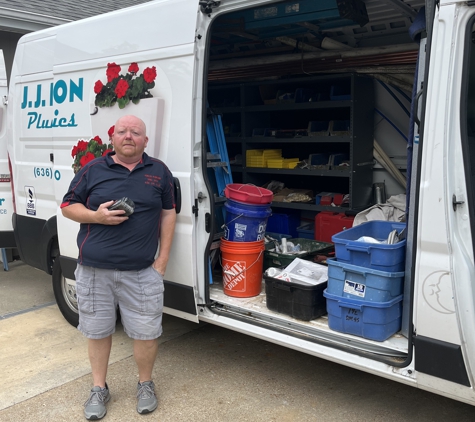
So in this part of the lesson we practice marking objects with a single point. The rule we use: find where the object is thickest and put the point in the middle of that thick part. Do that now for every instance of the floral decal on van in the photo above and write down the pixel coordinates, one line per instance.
(122, 89)
(85, 151)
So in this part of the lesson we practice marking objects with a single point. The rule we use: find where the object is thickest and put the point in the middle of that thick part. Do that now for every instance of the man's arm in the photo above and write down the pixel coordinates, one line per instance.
(167, 230)
(79, 213)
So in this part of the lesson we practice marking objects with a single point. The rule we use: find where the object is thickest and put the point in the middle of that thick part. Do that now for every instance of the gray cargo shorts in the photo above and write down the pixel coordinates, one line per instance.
(138, 294)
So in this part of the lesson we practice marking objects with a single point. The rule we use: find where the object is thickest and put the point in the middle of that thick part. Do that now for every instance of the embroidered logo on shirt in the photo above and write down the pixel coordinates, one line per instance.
(152, 180)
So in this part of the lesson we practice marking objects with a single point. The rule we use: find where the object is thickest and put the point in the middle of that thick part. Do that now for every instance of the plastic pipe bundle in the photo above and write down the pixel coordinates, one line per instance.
(386, 162)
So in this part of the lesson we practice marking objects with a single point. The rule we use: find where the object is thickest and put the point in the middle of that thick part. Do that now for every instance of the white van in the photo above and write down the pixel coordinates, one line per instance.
(274, 71)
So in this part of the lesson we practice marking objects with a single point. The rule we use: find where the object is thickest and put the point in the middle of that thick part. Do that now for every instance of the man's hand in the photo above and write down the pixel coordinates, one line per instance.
(110, 218)
(78, 212)
(160, 267)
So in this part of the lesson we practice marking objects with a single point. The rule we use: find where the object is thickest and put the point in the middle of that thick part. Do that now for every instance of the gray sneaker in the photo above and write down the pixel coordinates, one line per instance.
(147, 400)
(95, 406)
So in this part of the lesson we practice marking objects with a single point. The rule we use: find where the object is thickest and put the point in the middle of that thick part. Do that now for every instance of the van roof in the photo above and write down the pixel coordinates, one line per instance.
(69, 10)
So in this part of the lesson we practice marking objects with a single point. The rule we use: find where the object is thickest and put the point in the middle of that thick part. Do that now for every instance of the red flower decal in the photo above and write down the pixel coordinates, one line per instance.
(89, 156)
(98, 87)
(133, 68)
(121, 88)
(112, 71)
(149, 74)
(106, 152)
(82, 146)
(110, 132)
(98, 140)
(75, 151)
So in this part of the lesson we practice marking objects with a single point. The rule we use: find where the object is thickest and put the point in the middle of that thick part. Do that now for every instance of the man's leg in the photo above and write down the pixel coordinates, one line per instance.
(99, 352)
(141, 305)
(145, 353)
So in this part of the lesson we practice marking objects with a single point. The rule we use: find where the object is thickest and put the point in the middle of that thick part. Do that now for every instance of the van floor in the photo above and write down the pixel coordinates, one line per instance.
(395, 346)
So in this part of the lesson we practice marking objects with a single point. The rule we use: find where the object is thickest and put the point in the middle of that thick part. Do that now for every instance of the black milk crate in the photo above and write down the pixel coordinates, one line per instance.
(298, 300)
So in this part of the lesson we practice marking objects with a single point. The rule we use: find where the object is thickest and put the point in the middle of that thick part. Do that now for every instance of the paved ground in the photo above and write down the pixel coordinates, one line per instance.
(203, 373)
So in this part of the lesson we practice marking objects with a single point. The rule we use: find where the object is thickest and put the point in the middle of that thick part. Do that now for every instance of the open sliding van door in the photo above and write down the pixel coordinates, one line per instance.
(444, 272)
(7, 239)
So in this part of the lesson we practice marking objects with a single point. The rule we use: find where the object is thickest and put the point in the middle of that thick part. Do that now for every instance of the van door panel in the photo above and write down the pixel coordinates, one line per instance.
(167, 45)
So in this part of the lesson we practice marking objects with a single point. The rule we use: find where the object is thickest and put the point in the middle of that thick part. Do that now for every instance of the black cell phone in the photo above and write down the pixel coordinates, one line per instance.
(125, 204)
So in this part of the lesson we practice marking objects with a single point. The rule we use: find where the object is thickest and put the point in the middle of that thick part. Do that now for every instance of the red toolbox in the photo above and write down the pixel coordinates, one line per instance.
(329, 223)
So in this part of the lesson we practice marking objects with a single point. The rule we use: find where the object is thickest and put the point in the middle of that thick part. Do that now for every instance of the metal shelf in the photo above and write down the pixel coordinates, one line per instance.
(299, 172)
(298, 106)
(307, 206)
(356, 180)
(297, 139)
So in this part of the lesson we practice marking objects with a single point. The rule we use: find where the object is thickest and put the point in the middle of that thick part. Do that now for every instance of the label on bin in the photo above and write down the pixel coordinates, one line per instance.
(353, 288)
(239, 230)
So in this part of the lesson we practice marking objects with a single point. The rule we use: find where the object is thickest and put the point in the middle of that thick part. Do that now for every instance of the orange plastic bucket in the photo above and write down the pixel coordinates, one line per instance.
(242, 267)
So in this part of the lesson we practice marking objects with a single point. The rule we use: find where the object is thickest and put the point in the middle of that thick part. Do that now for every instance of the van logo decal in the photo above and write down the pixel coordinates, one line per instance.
(34, 117)
(59, 91)
(49, 95)
(30, 200)
(3, 211)
(437, 292)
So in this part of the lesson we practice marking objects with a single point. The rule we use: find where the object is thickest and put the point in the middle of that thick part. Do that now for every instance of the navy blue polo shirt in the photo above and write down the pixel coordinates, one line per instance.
(132, 244)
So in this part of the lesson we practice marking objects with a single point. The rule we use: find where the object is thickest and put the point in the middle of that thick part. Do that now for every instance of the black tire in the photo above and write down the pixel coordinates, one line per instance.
(65, 296)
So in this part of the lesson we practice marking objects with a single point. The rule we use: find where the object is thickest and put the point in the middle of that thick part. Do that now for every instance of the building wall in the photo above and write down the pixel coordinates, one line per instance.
(8, 43)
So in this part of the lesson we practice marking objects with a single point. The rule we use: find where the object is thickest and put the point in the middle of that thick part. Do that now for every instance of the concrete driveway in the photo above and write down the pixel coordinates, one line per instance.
(203, 373)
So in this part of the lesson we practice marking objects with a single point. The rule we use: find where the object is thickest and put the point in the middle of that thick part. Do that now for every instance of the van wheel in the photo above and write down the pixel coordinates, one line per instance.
(65, 294)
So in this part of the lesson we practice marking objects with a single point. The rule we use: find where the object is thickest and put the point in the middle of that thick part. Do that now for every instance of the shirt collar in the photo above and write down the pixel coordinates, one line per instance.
(145, 161)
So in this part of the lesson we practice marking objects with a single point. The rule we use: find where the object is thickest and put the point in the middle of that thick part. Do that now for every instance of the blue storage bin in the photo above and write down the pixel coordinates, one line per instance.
(318, 159)
(372, 320)
(306, 231)
(361, 283)
(318, 128)
(304, 95)
(283, 223)
(340, 127)
(337, 159)
(340, 93)
(382, 257)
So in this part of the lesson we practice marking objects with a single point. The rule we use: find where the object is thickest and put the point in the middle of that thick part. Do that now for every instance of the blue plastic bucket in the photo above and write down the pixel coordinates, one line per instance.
(245, 222)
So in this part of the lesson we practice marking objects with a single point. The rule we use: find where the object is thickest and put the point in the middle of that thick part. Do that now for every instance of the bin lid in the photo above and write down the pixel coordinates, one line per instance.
(250, 194)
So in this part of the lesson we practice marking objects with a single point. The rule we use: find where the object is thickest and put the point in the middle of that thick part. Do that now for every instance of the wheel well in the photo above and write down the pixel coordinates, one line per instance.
(53, 252)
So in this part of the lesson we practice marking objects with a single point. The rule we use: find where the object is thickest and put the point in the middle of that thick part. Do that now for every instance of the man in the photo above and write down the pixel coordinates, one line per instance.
(116, 265)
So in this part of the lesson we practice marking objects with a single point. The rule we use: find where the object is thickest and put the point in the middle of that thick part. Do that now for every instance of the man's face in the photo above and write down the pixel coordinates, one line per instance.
(129, 138)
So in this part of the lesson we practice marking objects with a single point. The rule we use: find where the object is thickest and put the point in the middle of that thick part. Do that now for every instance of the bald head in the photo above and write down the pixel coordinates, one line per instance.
(129, 139)
(133, 120)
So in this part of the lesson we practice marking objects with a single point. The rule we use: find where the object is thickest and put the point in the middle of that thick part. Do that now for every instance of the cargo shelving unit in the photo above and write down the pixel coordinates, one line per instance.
(252, 113)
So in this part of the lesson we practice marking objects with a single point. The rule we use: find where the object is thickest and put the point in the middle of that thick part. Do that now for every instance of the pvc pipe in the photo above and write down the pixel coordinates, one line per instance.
(329, 44)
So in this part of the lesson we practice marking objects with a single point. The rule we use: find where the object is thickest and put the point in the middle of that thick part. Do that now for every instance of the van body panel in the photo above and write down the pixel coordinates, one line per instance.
(37, 55)
(433, 260)
(458, 178)
(128, 31)
(53, 107)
